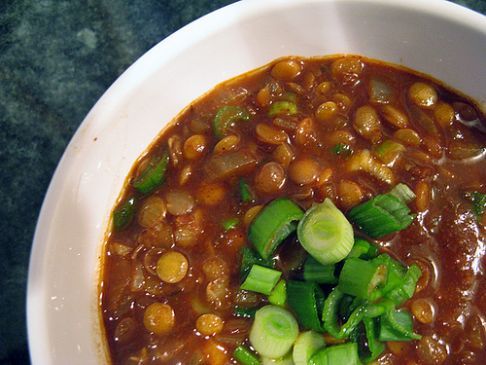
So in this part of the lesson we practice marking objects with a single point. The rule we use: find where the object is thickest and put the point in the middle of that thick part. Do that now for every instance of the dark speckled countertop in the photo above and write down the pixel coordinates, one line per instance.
(56, 59)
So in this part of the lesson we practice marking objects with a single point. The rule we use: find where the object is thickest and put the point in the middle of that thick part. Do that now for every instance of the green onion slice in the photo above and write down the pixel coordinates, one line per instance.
(330, 316)
(282, 108)
(307, 344)
(226, 117)
(330, 312)
(397, 325)
(273, 224)
(375, 347)
(403, 192)
(339, 354)
(278, 296)
(261, 279)
(381, 215)
(388, 151)
(123, 215)
(246, 194)
(360, 278)
(406, 288)
(245, 356)
(249, 258)
(289, 96)
(363, 249)
(478, 201)
(342, 149)
(230, 223)
(153, 175)
(285, 360)
(325, 233)
(306, 300)
(273, 332)
(396, 272)
(318, 273)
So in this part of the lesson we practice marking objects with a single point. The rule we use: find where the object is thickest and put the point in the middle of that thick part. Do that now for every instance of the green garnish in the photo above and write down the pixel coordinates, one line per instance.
(307, 344)
(123, 215)
(316, 272)
(245, 356)
(381, 215)
(273, 224)
(479, 203)
(230, 223)
(342, 149)
(261, 279)
(246, 194)
(360, 277)
(339, 354)
(278, 296)
(306, 300)
(226, 117)
(325, 233)
(273, 331)
(282, 108)
(153, 175)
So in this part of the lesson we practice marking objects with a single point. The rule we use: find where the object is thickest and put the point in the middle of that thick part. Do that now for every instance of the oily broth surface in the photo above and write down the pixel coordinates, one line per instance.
(445, 238)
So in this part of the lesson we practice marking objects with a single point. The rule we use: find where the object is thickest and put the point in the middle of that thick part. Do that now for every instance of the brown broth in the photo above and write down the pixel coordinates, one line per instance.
(445, 239)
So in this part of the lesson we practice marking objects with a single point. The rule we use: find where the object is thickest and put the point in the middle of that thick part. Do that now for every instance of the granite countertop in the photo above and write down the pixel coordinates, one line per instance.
(56, 59)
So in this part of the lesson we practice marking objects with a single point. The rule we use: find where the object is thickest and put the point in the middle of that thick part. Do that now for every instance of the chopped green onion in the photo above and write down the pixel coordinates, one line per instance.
(321, 274)
(273, 224)
(330, 312)
(381, 215)
(403, 192)
(339, 354)
(325, 233)
(307, 345)
(404, 291)
(285, 360)
(278, 296)
(388, 150)
(396, 271)
(346, 306)
(374, 310)
(230, 223)
(342, 149)
(273, 332)
(305, 299)
(353, 321)
(397, 326)
(363, 249)
(226, 117)
(360, 278)
(289, 96)
(123, 215)
(330, 316)
(249, 258)
(261, 279)
(282, 108)
(153, 175)
(479, 203)
(245, 356)
(246, 194)
(375, 347)
(244, 312)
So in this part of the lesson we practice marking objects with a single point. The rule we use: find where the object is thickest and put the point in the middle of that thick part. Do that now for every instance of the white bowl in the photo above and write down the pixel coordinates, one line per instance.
(434, 37)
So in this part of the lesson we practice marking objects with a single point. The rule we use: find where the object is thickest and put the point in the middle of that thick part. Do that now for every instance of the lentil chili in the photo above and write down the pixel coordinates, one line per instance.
(349, 134)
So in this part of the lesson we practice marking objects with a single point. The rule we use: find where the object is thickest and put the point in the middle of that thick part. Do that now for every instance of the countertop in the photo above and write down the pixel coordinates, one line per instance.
(56, 59)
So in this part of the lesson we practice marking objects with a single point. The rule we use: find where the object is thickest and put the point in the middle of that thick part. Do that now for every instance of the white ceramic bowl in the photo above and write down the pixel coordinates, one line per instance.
(434, 37)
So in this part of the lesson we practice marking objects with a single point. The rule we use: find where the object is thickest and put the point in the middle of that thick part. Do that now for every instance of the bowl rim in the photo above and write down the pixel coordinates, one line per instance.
(122, 86)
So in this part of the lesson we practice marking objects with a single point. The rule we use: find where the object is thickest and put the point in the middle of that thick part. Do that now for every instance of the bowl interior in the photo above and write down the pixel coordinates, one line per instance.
(430, 36)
